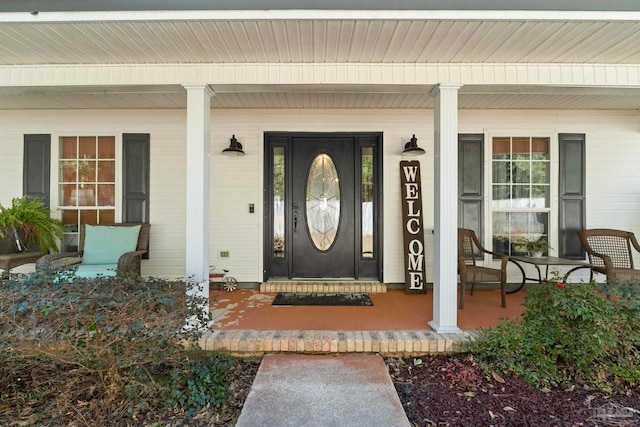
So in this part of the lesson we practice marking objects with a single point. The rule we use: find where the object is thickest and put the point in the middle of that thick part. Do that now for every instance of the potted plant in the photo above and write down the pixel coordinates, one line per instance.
(536, 247)
(27, 223)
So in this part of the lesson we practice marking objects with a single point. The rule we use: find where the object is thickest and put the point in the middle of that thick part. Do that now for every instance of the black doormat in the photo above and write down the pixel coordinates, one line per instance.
(292, 298)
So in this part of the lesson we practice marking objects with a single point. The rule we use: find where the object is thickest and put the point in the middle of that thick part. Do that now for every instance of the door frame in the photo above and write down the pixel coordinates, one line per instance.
(369, 268)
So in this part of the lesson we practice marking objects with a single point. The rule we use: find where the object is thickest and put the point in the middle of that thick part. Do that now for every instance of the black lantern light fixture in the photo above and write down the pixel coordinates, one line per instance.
(411, 148)
(235, 148)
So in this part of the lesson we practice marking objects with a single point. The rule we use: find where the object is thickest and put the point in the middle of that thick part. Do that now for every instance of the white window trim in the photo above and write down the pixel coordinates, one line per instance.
(489, 134)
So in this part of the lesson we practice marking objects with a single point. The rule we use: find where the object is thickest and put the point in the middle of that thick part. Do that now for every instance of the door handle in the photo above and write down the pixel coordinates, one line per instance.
(295, 221)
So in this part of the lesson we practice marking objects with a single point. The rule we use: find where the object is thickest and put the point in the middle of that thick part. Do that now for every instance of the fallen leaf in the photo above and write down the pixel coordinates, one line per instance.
(467, 394)
(497, 377)
(508, 408)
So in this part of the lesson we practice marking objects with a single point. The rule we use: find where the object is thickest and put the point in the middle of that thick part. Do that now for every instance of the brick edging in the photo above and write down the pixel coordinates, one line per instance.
(396, 343)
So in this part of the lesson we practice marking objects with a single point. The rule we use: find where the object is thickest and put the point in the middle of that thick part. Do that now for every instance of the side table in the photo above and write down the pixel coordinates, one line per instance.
(545, 261)
(9, 261)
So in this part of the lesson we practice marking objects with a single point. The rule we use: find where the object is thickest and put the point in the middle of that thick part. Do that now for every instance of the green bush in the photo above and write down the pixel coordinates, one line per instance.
(105, 351)
(568, 335)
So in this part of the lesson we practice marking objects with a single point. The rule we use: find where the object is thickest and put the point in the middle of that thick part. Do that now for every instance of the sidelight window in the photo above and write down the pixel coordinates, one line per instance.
(278, 186)
(367, 197)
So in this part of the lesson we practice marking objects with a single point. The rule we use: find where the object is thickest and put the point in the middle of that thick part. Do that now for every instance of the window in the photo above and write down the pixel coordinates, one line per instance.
(520, 191)
(278, 201)
(367, 197)
(87, 174)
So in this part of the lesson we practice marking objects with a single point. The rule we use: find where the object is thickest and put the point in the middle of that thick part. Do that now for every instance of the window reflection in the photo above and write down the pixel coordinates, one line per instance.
(520, 191)
(87, 186)
(367, 195)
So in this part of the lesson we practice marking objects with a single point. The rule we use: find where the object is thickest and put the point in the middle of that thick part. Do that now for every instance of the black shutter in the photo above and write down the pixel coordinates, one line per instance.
(135, 177)
(572, 194)
(37, 167)
(470, 182)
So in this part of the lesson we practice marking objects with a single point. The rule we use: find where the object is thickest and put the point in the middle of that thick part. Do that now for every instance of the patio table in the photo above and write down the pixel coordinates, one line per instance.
(545, 261)
(9, 261)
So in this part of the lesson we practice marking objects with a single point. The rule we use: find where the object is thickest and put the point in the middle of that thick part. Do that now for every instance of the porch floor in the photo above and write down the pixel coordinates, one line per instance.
(246, 324)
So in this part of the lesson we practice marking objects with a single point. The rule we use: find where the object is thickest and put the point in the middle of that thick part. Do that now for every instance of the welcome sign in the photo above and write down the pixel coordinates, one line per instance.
(414, 261)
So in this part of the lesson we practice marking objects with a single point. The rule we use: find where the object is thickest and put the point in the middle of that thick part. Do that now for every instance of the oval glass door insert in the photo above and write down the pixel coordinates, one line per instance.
(323, 202)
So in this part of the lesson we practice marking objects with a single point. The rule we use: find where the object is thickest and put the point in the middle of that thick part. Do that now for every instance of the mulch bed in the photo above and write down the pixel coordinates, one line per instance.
(452, 390)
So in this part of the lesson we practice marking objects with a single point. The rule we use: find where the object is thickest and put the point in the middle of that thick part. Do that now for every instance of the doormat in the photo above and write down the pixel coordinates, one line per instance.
(293, 298)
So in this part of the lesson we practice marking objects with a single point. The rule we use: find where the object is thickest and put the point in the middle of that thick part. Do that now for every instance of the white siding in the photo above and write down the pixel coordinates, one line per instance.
(613, 147)
(167, 129)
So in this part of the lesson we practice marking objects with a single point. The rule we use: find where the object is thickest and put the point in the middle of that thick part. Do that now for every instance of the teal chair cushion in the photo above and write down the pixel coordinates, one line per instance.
(91, 271)
(105, 244)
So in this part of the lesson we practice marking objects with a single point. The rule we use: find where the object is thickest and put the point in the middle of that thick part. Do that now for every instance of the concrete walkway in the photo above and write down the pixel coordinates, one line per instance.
(300, 390)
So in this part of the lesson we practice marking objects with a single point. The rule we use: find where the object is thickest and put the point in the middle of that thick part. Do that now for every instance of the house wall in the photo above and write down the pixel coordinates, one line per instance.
(613, 147)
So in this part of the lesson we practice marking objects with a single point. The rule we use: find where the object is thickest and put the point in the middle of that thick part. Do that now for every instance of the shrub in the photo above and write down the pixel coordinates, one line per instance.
(103, 351)
(568, 335)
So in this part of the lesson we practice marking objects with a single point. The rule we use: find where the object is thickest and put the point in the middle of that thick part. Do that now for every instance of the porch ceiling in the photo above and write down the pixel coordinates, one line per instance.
(419, 37)
(318, 37)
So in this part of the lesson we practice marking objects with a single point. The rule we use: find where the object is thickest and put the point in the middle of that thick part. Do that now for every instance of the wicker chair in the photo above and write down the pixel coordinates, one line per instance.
(468, 249)
(609, 252)
(128, 262)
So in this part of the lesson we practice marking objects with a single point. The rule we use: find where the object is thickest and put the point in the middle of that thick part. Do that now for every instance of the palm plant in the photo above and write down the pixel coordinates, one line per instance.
(30, 221)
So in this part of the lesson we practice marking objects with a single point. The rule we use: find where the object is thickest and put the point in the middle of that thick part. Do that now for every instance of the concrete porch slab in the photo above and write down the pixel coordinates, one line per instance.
(337, 390)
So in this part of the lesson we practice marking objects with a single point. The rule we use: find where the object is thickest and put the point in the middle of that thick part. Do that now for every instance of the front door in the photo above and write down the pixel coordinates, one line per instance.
(321, 206)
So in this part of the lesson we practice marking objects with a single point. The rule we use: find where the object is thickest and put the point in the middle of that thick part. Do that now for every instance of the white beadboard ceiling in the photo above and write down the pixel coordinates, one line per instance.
(399, 41)
(321, 41)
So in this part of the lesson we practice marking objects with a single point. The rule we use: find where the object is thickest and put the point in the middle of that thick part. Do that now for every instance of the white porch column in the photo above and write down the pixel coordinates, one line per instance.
(197, 210)
(445, 278)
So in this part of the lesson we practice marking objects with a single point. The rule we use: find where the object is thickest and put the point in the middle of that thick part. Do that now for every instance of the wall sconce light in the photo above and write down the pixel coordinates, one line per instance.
(235, 148)
(411, 148)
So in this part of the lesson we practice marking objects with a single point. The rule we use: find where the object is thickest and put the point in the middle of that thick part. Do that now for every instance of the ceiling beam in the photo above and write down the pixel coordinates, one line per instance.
(324, 75)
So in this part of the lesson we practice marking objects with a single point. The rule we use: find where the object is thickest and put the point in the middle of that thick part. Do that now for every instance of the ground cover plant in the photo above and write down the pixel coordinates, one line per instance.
(109, 351)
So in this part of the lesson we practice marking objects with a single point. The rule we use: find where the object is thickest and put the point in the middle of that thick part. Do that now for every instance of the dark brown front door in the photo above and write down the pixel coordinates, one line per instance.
(322, 205)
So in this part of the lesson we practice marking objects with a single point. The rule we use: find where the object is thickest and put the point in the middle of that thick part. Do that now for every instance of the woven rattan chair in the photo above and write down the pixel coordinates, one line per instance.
(609, 252)
(468, 249)
(128, 262)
